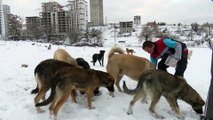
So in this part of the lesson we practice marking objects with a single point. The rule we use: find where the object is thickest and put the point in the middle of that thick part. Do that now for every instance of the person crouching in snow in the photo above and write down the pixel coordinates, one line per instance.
(171, 52)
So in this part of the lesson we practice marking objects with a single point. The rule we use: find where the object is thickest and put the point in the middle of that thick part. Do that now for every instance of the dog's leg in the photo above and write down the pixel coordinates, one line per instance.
(100, 62)
(155, 100)
(137, 96)
(94, 61)
(59, 103)
(38, 97)
(144, 98)
(52, 106)
(117, 83)
(73, 95)
(89, 98)
(174, 105)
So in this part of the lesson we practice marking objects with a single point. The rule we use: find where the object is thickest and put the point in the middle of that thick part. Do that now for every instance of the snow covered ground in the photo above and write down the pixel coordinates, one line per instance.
(16, 83)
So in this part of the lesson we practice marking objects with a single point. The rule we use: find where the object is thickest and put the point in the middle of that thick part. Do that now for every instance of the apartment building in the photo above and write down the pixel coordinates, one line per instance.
(126, 27)
(79, 15)
(51, 7)
(137, 20)
(96, 12)
(57, 22)
(6, 11)
(1, 18)
(54, 20)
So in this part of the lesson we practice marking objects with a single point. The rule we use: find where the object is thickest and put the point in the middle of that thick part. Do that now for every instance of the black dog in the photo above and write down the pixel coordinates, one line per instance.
(99, 57)
(83, 63)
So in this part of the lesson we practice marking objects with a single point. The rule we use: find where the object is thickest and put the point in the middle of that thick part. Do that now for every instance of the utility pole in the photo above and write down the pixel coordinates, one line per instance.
(115, 27)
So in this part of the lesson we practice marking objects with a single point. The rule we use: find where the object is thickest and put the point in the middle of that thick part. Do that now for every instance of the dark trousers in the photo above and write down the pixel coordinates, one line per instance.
(181, 65)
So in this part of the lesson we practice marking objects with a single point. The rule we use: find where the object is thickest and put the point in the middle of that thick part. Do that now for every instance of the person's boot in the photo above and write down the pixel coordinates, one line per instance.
(202, 117)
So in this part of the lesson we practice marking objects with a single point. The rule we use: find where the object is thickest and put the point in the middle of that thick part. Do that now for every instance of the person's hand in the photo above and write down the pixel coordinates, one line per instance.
(171, 61)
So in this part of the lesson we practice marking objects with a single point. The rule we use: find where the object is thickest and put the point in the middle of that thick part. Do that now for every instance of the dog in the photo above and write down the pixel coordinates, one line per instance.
(83, 63)
(62, 55)
(130, 51)
(73, 78)
(43, 74)
(99, 57)
(123, 64)
(157, 83)
(189, 54)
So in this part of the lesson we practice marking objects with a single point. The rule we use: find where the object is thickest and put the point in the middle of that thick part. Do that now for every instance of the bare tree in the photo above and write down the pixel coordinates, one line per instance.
(74, 36)
(14, 26)
(195, 27)
(145, 33)
(96, 34)
(34, 31)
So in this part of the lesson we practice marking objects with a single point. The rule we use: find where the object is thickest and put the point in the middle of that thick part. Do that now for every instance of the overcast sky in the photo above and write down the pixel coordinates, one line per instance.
(169, 11)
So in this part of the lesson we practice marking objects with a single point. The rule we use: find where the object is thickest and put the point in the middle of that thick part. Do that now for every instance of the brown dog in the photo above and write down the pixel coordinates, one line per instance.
(44, 73)
(62, 55)
(73, 78)
(130, 51)
(156, 83)
(123, 64)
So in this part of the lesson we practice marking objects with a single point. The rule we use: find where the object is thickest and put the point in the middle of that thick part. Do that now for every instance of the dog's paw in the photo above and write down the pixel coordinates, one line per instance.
(158, 116)
(98, 94)
(112, 94)
(39, 110)
(91, 108)
(144, 101)
(130, 111)
(179, 116)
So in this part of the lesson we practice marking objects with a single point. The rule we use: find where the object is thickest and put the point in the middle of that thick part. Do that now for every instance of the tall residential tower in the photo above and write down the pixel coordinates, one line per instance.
(96, 12)
(1, 18)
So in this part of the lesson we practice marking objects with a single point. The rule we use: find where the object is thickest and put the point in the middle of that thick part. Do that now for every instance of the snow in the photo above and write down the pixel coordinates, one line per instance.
(16, 83)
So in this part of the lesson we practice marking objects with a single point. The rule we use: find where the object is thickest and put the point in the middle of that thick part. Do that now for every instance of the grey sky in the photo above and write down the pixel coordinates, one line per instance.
(169, 11)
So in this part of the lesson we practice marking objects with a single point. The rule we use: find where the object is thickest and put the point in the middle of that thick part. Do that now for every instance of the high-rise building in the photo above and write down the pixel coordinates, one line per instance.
(79, 15)
(51, 7)
(58, 22)
(1, 18)
(54, 20)
(6, 11)
(137, 20)
(96, 12)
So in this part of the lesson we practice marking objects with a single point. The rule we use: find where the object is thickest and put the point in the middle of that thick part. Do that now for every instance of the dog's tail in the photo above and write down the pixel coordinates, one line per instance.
(127, 90)
(114, 50)
(143, 77)
(35, 90)
(50, 98)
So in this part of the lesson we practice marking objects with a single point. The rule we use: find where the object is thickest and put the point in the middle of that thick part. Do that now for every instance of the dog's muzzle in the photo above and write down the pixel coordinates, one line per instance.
(198, 111)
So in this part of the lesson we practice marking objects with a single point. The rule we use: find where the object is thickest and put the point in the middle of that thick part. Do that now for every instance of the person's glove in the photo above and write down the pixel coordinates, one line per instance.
(171, 61)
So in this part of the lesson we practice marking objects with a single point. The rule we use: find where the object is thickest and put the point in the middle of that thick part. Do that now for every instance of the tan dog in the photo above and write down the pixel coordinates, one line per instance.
(73, 78)
(44, 73)
(190, 54)
(130, 51)
(123, 64)
(61, 54)
(156, 83)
